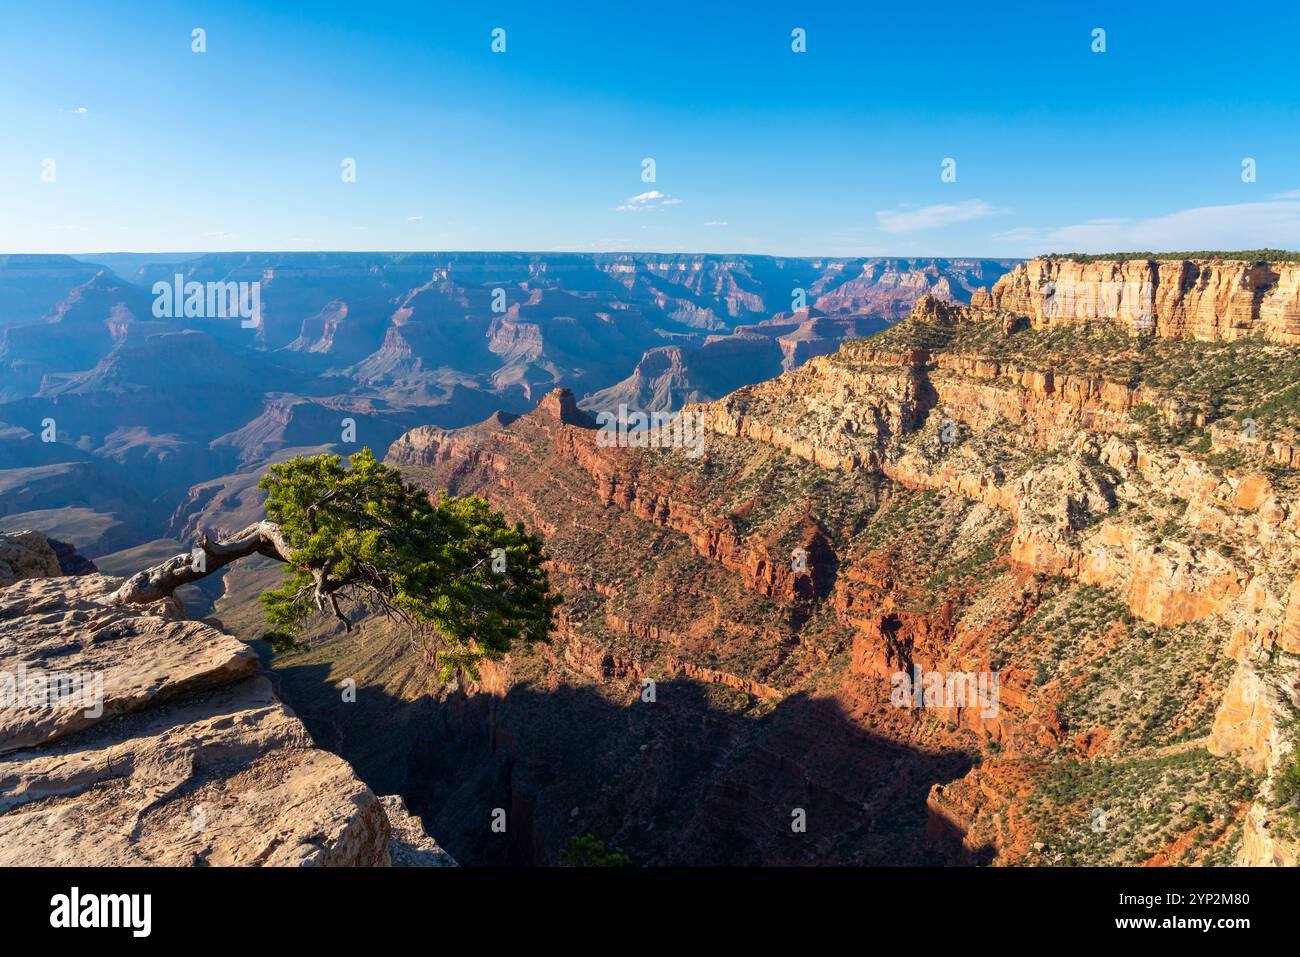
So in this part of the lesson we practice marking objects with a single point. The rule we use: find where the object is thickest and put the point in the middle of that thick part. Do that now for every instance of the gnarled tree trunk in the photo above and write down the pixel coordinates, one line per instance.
(156, 583)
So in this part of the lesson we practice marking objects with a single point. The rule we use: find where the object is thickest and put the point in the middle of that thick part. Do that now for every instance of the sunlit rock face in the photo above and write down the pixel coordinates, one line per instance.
(1203, 299)
(132, 736)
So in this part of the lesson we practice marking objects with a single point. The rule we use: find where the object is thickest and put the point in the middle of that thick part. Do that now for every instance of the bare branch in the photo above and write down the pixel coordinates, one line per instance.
(334, 604)
(156, 583)
(315, 507)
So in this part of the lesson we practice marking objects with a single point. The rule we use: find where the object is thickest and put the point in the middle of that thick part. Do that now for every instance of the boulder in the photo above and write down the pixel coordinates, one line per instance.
(26, 554)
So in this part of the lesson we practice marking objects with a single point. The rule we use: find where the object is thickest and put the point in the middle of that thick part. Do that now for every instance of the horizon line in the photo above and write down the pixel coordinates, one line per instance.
(1241, 254)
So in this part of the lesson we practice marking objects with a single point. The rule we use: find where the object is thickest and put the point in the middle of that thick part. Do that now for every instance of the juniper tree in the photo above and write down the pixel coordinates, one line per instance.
(360, 538)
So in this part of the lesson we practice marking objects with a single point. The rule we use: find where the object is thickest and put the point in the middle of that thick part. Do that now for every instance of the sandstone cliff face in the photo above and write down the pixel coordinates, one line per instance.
(858, 405)
(133, 737)
(1176, 299)
(1229, 555)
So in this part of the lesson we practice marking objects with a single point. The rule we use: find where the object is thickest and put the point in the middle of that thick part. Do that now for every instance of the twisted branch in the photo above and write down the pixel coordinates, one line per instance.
(156, 583)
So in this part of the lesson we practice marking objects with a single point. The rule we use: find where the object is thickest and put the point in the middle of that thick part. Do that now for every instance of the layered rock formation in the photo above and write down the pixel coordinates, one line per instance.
(670, 376)
(131, 737)
(107, 408)
(970, 492)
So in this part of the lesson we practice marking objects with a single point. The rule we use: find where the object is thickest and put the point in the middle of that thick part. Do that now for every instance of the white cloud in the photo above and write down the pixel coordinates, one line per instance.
(717, 222)
(1266, 224)
(651, 199)
(936, 216)
(414, 219)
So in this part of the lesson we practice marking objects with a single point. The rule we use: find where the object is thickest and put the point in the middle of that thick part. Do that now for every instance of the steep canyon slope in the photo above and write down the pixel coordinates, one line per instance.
(1100, 509)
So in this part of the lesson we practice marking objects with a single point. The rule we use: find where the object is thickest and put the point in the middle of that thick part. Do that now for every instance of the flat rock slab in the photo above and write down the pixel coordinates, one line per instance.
(60, 632)
(226, 777)
(187, 757)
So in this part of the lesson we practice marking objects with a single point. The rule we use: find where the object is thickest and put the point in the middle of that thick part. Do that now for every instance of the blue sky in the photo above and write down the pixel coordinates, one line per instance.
(836, 151)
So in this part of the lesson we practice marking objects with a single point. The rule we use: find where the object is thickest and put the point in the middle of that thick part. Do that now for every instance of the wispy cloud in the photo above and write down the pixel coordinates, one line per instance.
(649, 200)
(1269, 223)
(897, 221)
(717, 222)
(414, 219)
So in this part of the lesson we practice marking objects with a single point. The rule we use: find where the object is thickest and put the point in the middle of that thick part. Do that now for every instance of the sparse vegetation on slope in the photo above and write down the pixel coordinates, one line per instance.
(1248, 255)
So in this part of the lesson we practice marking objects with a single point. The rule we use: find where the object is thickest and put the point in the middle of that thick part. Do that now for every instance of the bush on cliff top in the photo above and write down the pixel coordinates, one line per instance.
(1248, 255)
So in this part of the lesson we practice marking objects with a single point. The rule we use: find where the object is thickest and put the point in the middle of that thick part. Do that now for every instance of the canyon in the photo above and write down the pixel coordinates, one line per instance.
(1066, 501)
(1097, 505)
(110, 415)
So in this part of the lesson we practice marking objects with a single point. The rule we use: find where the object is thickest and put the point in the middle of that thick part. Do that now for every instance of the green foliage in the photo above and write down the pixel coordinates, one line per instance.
(1286, 788)
(586, 850)
(1123, 811)
(281, 641)
(467, 582)
(1248, 255)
